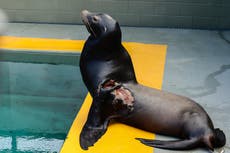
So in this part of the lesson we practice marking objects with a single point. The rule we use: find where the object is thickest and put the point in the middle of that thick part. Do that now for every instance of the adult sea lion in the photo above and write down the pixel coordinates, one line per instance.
(101, 59)
(108, 73)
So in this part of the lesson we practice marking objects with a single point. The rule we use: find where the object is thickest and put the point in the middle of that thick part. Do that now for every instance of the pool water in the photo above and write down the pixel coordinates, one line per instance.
(38, 103)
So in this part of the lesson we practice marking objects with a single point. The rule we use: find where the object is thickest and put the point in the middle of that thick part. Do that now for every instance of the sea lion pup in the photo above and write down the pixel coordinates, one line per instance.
(103, 57)
(163, 113)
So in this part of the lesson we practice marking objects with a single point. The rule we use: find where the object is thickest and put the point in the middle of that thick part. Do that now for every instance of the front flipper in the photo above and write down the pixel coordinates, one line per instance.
(95, 126)
(90, 135)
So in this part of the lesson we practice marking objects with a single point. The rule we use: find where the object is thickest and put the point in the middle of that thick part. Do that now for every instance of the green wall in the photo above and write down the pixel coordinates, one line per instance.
(154, 13)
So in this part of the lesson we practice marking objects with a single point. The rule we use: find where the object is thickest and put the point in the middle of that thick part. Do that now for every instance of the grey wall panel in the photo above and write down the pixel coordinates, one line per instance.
(210, 14)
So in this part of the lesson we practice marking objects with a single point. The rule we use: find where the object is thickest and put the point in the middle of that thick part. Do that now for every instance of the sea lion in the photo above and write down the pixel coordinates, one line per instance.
(101, 59)
(108, 73)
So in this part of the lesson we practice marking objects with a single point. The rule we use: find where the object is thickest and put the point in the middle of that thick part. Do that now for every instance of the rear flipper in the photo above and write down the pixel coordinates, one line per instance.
(211, 141)
(172, 145)
(220, 139)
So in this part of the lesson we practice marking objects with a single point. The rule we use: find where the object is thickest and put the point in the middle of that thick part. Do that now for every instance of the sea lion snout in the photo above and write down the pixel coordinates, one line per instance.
(84, 13)
(87, 15)
(102, 26)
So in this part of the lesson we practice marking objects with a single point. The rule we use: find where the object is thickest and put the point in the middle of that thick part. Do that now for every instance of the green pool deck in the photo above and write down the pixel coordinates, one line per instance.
(197, 66)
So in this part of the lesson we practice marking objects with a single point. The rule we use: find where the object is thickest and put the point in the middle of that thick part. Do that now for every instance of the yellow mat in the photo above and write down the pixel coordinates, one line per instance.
(148, 63)
(40, 44)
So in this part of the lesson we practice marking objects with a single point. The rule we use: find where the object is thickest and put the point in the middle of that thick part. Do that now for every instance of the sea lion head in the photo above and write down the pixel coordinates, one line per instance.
(101, 25)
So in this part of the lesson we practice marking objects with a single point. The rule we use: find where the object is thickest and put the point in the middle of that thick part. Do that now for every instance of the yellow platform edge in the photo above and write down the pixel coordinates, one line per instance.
(40, 44)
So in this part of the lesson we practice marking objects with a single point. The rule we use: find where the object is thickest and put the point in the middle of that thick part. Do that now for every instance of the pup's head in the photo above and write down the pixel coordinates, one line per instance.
(101, 25)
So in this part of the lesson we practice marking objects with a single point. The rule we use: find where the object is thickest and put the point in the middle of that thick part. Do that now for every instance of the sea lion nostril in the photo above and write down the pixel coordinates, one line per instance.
(95, 19)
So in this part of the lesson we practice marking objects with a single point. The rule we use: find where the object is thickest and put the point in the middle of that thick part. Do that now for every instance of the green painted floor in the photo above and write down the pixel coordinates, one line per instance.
(197, 66)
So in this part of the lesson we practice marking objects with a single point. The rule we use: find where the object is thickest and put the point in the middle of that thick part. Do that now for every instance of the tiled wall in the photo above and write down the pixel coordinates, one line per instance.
(156, 13)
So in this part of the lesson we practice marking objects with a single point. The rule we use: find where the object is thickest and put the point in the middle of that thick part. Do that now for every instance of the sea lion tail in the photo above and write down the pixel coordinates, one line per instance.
(173, 144)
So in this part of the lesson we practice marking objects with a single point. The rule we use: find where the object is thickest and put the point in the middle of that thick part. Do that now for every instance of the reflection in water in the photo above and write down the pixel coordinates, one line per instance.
(30, 144)
(40, 144)
(5, 143)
